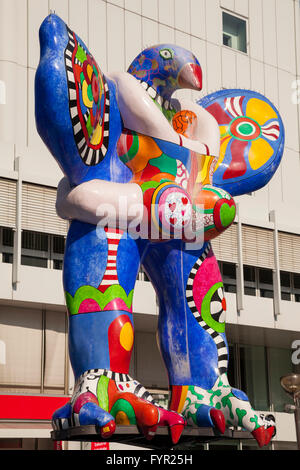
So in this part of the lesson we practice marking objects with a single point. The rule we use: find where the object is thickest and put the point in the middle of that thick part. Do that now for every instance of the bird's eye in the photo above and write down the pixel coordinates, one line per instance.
(166, 54)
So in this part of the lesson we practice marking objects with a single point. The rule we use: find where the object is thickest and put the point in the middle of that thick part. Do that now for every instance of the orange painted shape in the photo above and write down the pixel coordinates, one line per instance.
(146, 414)
(184, 392)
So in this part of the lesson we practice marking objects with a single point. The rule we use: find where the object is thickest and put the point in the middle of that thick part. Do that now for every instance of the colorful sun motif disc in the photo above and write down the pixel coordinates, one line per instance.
(251, 139)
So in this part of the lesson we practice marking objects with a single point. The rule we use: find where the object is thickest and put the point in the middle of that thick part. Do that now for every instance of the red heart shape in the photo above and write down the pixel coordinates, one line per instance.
(184, 201)
(172, 206)
(173, 220)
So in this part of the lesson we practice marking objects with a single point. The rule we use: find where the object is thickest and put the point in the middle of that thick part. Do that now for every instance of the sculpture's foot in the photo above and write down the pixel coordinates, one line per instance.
(221, 406)
(104, 398)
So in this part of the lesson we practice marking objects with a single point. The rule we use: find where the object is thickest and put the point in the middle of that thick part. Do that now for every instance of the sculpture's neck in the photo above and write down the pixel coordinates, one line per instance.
(161, 98)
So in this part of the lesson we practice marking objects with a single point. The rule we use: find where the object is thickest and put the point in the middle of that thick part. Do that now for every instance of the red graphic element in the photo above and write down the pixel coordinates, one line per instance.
(100, 446)
(175, 422)
(30, 406)
(259, 435)
(238, 165)
(244, 120)
(125, 142)
(173, 220)
(224, 306)
(176, 396)
(184, 201)
(220, 115)
(218, 419)
(119, 356)
(108, 429)
(172, 206)
(87, 397)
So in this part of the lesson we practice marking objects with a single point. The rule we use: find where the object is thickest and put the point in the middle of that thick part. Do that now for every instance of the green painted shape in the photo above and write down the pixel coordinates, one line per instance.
(80, 54)
(132, 151)
(95, 71)
(102, 392)
(245, 129)
(255, 421)
(227, 402)
(126, 407)
(89, 126)
(205, 310)
(227, 214)
(240, 414)
(201, 210)
(165, 164)
(214, 393)
(149, 184)
(90, 93)
(102, 298)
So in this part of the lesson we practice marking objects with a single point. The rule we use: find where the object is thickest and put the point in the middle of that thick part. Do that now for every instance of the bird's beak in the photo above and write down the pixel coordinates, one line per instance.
(190, 76)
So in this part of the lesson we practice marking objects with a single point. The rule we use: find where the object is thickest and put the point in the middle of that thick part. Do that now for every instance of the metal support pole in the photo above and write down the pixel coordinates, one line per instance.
(297, 417)
(239, 266)
(276, 270)
(18, 232)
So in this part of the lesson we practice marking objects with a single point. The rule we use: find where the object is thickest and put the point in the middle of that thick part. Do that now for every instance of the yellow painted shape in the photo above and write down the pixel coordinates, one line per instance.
(106, 429)
(259, 154)
(260, 111)
(182, 398)
(87, 102)
(126, 336)
(122, 418)
(97, 134)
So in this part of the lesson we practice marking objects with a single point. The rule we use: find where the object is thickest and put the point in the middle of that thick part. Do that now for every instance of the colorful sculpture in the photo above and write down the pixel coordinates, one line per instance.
(176, 164)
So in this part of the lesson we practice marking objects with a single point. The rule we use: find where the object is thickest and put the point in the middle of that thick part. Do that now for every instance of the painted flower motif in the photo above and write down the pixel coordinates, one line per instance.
(249, 131)
(91, 86)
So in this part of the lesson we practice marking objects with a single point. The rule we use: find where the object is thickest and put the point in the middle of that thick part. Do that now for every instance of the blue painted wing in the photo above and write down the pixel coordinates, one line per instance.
(76, 111)
(251, 139)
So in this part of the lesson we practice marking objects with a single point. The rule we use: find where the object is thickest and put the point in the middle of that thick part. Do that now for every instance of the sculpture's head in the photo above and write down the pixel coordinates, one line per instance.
(165, 68)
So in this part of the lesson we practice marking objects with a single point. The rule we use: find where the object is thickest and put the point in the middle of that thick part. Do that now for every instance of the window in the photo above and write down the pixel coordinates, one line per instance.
(228, 271)
(249, 280)
(254, 375)
(265, 278)
(279, 364)
(234, 32)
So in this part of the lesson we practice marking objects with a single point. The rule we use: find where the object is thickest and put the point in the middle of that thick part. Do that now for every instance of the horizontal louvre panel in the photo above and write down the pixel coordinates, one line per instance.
(38, 210)
(225, 246)
(258, 247)
(289, 252)
(8, 194)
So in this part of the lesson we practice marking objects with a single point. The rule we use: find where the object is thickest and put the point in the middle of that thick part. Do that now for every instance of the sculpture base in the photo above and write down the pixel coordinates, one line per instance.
(130, 435)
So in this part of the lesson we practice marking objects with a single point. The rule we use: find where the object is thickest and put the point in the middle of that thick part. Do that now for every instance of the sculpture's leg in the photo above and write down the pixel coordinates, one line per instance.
(193, 342)
(100, 270)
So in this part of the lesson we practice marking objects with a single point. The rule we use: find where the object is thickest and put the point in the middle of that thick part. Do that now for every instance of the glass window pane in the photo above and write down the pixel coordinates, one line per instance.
(232, 367)
(250, 291)
(296, 281)
(280, 364)
(7, 237)
(266, 276)
(285, 296)
(285, 279)
(229, 270)
(234, 32)
(254, 375)
(7, 258)
(58, 264)
(34, 241)
(58, 244)
(249, 273)
(34, 261)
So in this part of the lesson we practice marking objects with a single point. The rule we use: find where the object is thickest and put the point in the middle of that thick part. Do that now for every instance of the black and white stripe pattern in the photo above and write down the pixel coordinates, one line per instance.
(217, 337)
(89, 155)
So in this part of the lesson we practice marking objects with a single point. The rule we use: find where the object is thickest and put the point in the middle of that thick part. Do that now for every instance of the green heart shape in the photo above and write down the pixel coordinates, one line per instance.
(227, 214)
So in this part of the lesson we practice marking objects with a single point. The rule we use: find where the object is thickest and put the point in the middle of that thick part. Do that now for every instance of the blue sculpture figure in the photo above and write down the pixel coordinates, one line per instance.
(176, 164)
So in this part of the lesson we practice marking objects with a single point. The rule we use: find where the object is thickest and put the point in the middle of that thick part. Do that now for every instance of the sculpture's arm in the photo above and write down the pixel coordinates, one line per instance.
(139, 113)
(97, 200)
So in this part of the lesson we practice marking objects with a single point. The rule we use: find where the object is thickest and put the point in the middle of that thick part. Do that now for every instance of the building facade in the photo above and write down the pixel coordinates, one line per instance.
(251, 44)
